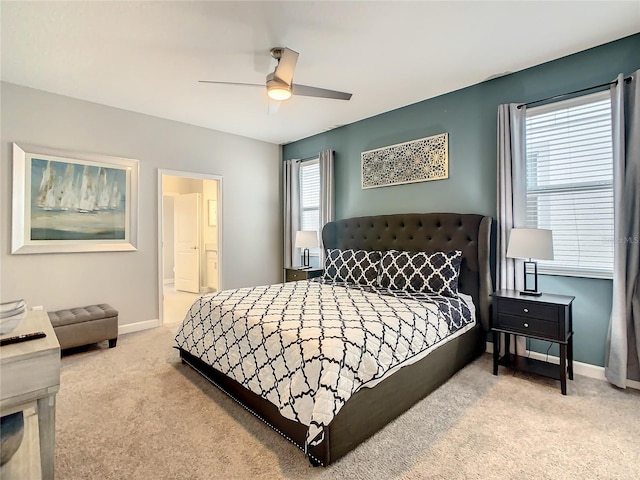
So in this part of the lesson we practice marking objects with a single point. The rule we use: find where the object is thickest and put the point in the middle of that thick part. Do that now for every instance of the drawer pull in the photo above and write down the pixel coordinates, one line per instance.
(526, 310)
(526, 325)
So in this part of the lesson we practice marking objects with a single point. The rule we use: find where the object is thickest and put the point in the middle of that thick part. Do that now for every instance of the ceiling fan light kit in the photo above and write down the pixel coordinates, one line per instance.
(279, 93)
(280, 84)
(277, 89)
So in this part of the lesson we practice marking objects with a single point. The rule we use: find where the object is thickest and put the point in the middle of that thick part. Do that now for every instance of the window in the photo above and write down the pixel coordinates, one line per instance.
(569, 183)
(310, 198)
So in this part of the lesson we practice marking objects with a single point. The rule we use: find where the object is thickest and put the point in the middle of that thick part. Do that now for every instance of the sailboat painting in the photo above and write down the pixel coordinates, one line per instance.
(74, 204)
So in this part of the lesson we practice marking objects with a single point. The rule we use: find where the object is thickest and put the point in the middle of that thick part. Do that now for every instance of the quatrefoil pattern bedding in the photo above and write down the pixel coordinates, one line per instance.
(308, 346)
(352, 266)
(421, 272)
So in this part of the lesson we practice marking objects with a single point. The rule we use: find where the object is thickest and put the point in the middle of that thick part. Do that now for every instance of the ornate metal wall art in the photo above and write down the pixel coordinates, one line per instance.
(419, 160)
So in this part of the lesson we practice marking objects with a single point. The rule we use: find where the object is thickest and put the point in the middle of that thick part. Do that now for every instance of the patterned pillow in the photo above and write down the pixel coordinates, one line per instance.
(353, 266)
(421, 272)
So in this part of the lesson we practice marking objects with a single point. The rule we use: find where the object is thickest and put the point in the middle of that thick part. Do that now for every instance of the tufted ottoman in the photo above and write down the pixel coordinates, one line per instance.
(85, 325)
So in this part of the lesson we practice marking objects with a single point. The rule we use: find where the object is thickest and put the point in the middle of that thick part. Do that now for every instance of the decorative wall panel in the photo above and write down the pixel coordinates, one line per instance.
(419, 160)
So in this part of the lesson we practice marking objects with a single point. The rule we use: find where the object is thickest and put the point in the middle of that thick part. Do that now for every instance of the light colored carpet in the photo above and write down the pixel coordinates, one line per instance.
(135, 412)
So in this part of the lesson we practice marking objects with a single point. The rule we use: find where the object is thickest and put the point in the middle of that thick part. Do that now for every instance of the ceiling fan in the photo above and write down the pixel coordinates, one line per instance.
(280, 84)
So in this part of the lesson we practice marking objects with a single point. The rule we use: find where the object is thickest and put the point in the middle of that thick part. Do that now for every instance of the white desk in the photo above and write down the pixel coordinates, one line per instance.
(30, 372)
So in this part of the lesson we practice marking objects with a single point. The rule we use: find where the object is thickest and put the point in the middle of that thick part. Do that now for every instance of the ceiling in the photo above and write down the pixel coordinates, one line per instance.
(148, 56)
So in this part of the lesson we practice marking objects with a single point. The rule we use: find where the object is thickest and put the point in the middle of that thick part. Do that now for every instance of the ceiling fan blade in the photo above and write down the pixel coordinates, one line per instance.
(273, 107)
(286, 65)
(308, 91)
(234, 83)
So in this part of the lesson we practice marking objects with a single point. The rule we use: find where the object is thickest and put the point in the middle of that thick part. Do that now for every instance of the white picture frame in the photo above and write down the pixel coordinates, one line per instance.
(73, 202)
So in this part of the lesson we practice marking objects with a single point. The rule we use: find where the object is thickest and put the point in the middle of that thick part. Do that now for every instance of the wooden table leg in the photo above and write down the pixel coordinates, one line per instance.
(563, 368)
(507, 349)
(496, 351)
(570, 356)
(47, 431)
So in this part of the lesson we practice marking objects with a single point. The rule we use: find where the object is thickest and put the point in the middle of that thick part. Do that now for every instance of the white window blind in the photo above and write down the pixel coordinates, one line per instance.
(310, 198)
(569, 172)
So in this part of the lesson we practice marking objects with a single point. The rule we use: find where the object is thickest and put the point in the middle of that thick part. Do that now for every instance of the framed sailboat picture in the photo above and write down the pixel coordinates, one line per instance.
(65, 202)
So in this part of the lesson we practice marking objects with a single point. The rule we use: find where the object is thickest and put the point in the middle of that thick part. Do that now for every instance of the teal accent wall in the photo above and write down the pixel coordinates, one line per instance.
(591, 310)
(469, 116)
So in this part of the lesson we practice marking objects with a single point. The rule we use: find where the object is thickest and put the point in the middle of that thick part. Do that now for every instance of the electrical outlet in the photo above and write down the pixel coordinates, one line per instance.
(37, 307)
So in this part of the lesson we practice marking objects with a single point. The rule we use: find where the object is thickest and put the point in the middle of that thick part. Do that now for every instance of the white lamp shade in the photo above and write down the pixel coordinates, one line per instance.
(532, 243)
(306, 239)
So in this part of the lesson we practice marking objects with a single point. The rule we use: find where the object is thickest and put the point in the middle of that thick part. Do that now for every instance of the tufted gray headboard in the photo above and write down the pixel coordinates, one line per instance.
(427, 232)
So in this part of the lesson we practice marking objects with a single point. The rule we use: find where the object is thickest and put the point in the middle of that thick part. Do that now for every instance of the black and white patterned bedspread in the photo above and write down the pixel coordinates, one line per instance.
(308, 346)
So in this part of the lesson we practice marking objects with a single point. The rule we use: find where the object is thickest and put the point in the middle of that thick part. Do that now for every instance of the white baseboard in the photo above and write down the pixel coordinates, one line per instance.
(136, 327)
(579, 368)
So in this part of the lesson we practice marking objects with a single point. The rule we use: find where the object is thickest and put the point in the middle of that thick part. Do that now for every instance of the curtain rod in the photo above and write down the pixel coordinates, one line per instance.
(301, 159)
(309, 158)
(627, 79)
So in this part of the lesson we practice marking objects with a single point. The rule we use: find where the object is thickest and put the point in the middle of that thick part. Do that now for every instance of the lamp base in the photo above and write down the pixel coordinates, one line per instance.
(530, 270)
(530, 293)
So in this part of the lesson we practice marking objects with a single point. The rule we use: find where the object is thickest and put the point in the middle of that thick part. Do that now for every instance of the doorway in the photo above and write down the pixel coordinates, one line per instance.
(189, 233)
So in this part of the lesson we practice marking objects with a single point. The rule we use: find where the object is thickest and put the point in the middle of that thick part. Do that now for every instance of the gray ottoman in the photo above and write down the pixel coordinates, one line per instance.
(85, 325)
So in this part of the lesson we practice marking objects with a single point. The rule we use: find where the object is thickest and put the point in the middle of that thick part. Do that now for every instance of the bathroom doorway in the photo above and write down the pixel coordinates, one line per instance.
(189, 233)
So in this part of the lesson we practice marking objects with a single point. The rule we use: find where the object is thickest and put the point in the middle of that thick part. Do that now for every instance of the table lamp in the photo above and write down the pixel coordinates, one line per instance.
(530, 243)
(306, 239)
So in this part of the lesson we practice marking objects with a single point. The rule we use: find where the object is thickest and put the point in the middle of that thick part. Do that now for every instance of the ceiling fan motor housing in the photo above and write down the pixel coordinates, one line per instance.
(278, 89)
(276, 52)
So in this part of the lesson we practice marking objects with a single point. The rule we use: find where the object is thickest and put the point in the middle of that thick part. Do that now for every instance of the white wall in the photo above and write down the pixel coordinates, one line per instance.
(129, 280)
(167, 237)
(173, 185)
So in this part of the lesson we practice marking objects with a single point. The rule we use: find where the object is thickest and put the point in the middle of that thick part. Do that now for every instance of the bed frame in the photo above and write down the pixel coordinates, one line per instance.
(370, 409)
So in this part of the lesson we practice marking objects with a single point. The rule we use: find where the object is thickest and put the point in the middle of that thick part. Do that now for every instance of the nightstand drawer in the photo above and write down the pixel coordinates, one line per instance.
(528, 309)
(294, 275)
(528, 326)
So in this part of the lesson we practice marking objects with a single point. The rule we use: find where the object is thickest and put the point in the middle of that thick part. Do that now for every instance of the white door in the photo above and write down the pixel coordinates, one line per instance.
(186, 211)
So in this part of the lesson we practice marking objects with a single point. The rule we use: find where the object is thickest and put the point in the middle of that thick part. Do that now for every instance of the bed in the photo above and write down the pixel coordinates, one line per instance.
(372, 399)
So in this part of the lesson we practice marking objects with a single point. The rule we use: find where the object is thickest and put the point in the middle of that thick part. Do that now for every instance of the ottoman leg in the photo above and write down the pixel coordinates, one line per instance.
(112, 342)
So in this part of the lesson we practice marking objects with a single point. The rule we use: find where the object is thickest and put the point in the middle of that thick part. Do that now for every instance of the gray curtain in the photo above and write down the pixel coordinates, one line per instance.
(291, 213)
(511, 190)
(622, 361)
(327, 204)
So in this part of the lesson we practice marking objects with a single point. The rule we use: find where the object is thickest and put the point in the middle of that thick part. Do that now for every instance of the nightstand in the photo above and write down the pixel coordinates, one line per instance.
(547, 317)
(293, 274)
